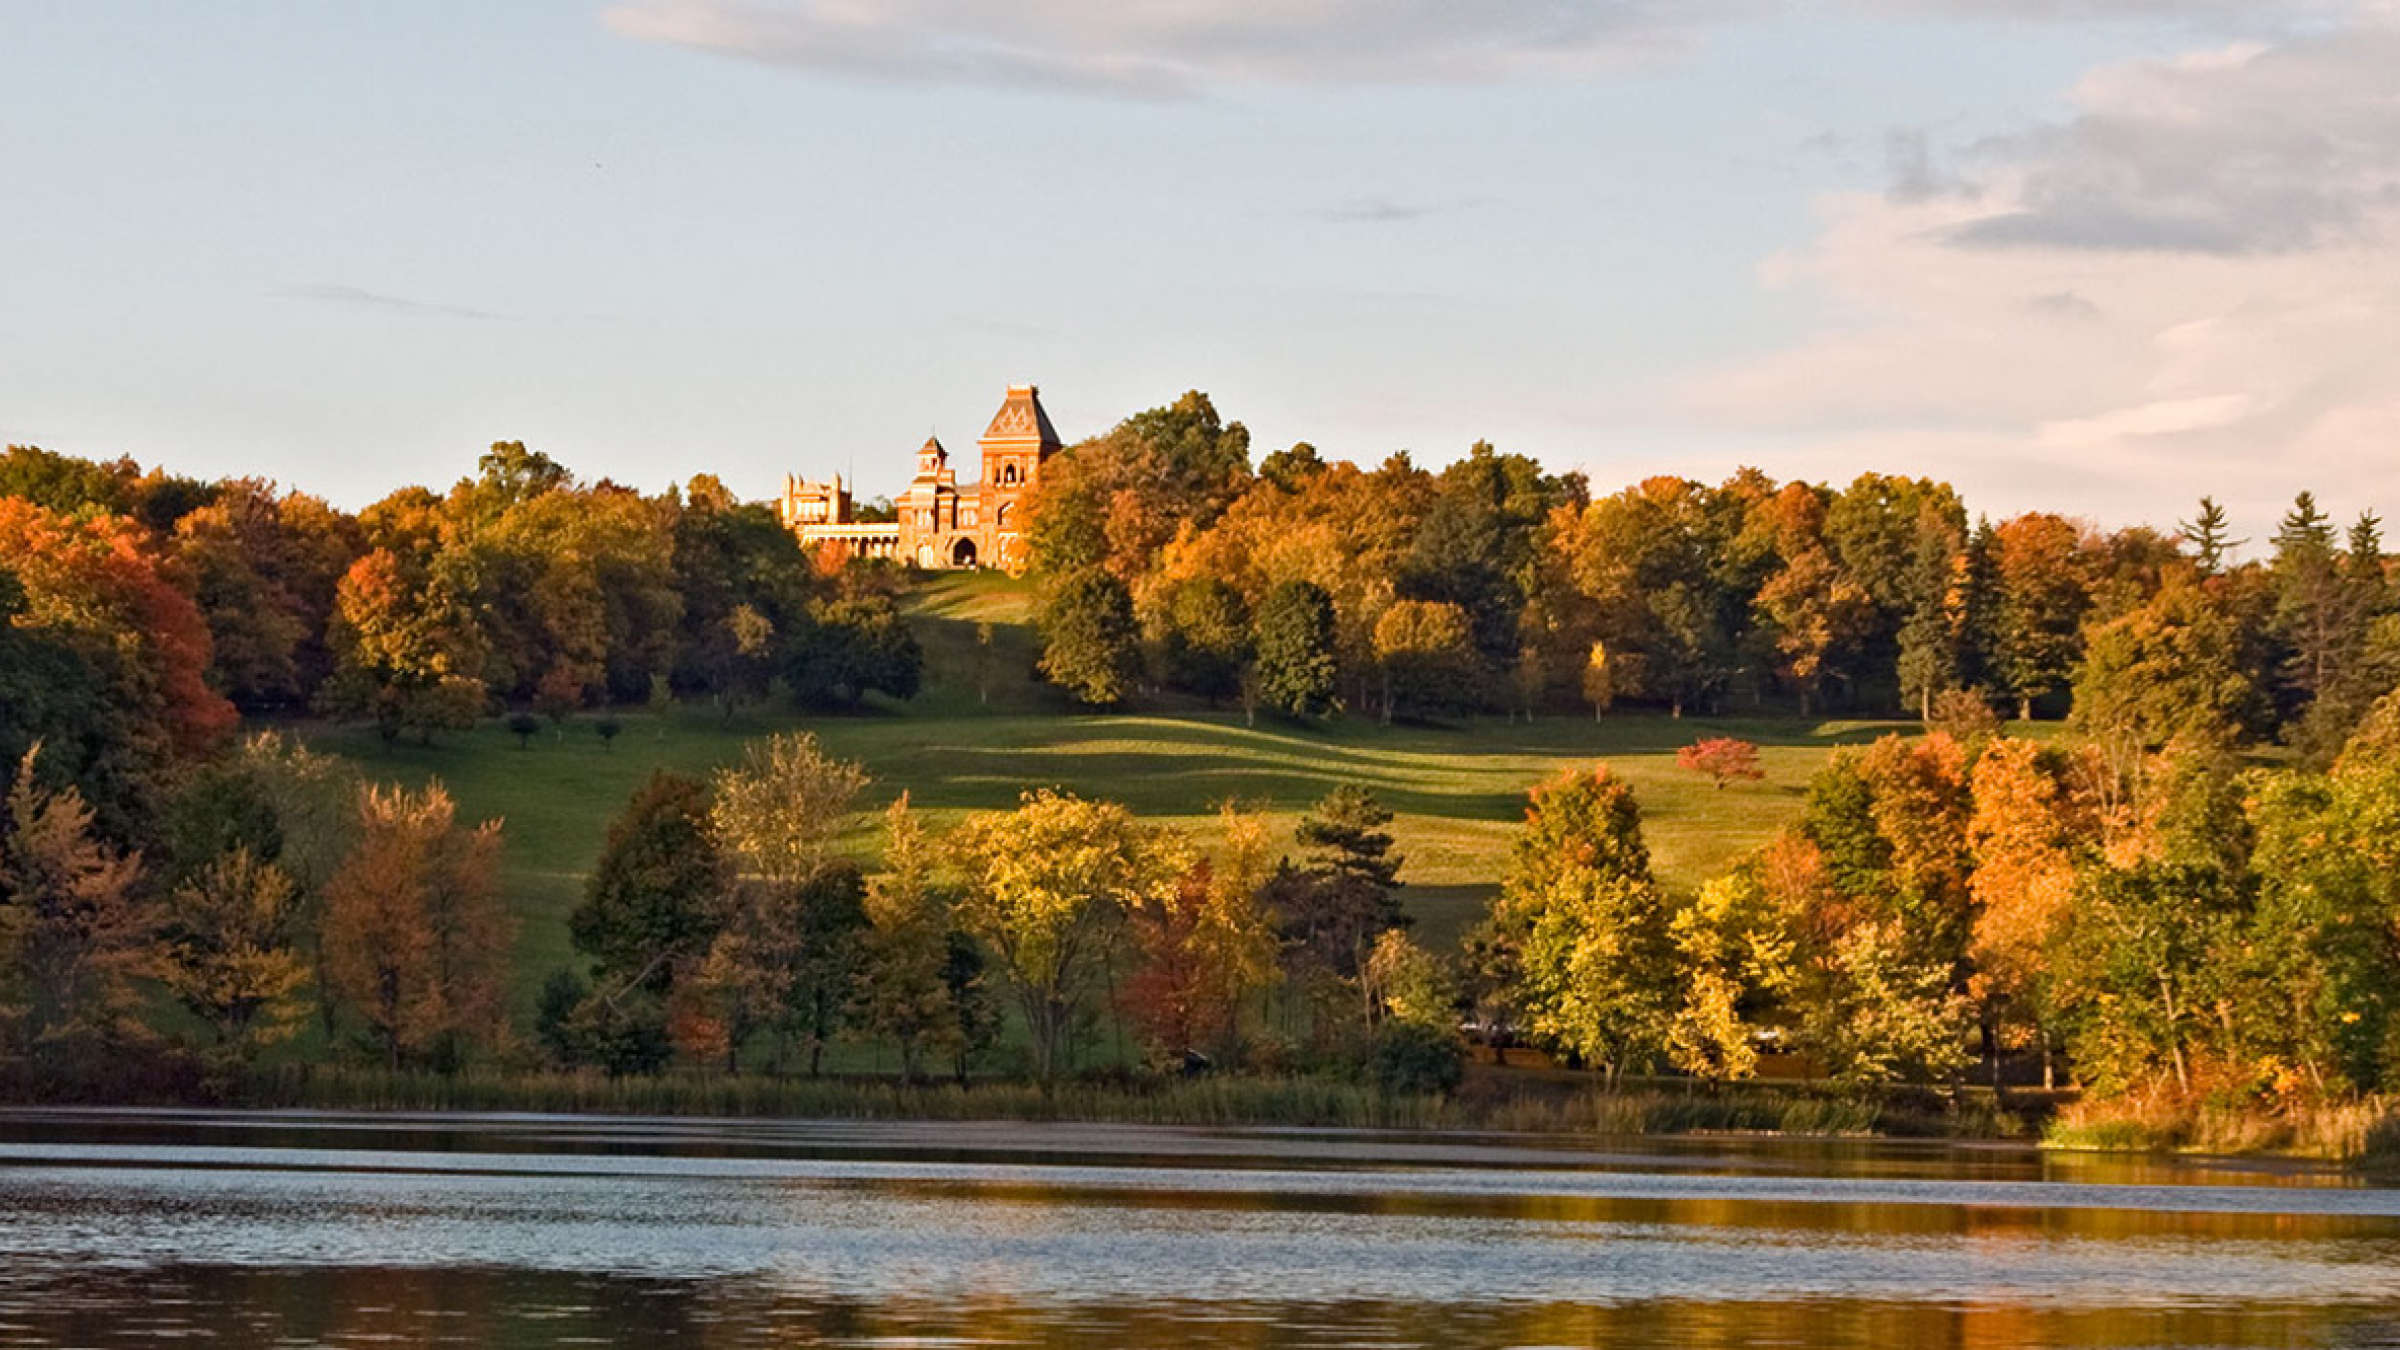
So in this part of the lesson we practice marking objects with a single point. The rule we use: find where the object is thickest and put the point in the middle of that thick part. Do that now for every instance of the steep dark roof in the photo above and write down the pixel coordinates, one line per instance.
(1021, 418)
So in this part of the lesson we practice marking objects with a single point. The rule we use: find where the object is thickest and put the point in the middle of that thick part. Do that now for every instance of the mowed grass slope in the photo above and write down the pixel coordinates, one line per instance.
(1458, 792)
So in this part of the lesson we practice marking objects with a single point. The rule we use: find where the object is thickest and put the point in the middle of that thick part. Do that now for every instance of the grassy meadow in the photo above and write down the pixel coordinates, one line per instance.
(983, 731)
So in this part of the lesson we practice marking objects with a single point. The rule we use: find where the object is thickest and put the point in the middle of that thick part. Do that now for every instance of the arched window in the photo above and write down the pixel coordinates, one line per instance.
(1001, 520)
(1008, 475)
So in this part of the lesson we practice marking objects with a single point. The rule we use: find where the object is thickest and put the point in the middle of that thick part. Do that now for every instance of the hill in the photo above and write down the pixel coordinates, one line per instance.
(983, 731)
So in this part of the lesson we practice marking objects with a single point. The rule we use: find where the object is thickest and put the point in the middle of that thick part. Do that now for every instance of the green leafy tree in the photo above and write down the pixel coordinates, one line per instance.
(1298, 674)
(2164, 673)
(1332, 908)
(650, 906)
(1590, 930)
(2137, 961)
(1091, 646)
(1204, 639)
(1882, 1013)
(853, 647)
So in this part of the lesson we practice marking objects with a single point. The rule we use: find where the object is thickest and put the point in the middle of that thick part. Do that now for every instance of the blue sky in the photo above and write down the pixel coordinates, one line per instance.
(2091, 255)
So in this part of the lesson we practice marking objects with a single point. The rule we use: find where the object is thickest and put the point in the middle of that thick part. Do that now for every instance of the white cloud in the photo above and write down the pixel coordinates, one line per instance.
(1176, 48)
(2248, 149)
(1180, 48)
(2199, 292)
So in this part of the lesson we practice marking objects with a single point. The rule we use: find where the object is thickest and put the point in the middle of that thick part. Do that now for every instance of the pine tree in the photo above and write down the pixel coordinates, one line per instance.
(2209, 537)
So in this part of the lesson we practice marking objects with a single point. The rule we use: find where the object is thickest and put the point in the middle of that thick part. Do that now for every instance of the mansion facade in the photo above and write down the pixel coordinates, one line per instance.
(940, 522)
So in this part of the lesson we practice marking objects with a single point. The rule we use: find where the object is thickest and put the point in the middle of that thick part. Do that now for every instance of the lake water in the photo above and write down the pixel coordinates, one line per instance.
(130, 1228)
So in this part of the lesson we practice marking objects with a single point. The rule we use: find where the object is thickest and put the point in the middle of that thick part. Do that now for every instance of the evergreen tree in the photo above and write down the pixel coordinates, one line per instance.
(2209, 537)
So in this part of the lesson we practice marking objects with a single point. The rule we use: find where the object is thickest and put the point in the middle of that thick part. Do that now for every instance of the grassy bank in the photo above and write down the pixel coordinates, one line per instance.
(1483, 1104)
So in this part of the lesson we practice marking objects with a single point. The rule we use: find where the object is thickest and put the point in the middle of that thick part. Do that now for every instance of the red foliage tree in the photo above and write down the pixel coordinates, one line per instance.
(100, 579)
(1722, 758)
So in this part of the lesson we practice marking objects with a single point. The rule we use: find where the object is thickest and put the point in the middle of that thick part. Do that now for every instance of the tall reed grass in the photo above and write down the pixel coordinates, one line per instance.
(2364, 1129)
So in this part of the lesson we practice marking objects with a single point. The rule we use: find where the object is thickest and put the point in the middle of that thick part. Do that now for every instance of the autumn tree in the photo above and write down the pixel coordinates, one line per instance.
(1426, 653)
(1048, 886)
(110, 658)
(1735, 958)
(2042, 599)
(313, 798)
(785, 945)
(409, 656)
(231, 956)
(416, 941)
(75, 938)
(1724, 759)
(1409, 985)
(1814, 613)
(1203, 948)
(780, 810)
(1113, 502)
(2028, 828)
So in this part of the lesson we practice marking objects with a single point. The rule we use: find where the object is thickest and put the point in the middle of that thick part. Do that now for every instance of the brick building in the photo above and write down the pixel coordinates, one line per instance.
(941, 522)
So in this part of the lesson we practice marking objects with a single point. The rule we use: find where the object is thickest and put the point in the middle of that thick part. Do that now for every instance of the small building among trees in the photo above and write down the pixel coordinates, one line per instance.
(940, 522)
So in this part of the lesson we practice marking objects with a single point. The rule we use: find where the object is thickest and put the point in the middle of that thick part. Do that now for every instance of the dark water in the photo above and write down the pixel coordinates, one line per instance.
(304, 1230)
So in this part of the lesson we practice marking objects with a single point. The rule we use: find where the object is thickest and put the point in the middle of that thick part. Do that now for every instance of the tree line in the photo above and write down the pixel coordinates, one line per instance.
(142, 614)
(1493, 586)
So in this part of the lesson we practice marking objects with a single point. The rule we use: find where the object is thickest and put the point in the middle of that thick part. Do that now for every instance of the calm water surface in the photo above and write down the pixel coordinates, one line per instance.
(127, 1228)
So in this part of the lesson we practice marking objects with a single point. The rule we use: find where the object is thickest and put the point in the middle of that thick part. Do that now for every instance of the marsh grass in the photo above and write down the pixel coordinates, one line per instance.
(2356, 1130)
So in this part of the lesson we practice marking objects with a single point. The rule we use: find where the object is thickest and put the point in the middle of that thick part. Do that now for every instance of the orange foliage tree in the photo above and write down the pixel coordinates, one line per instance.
(100, 580)
(75, 937)
(416, 943)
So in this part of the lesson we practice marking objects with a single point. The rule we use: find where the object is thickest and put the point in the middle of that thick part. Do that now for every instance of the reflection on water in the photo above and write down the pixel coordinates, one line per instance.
(124, 1229)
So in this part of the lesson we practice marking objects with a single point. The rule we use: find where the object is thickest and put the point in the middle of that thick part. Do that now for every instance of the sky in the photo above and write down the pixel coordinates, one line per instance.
(2092, 256)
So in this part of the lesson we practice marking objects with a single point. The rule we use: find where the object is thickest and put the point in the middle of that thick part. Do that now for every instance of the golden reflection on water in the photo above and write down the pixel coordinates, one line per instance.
(503, 1233)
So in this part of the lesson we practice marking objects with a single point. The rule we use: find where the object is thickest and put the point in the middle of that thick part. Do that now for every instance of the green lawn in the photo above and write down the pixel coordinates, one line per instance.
(1458, 791)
